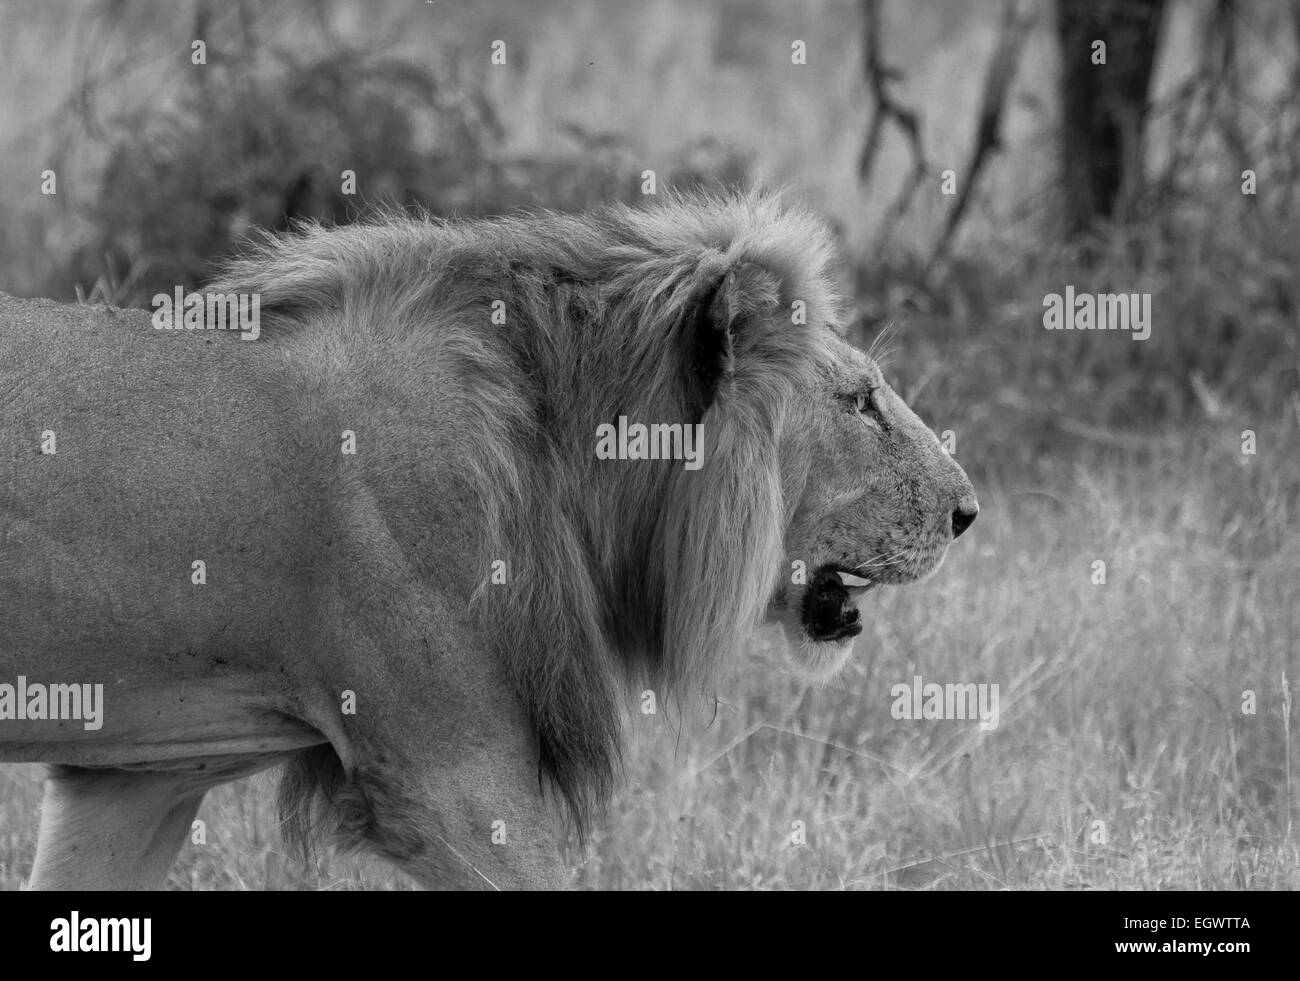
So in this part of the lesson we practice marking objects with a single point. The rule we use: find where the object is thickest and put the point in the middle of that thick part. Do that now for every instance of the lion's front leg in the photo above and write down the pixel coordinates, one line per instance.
(436, 767)
(478, 825)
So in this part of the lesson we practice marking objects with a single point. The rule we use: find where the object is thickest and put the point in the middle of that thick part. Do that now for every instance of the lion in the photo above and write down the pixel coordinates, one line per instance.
(372, 540)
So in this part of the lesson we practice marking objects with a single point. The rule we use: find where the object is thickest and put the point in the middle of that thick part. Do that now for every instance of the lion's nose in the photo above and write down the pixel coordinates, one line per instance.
(965, 514)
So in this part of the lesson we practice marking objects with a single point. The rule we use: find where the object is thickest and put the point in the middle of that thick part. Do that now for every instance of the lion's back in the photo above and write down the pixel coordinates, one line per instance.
(126, 455)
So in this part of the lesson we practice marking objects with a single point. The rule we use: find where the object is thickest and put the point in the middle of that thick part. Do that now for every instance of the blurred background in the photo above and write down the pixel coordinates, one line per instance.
(973, 156)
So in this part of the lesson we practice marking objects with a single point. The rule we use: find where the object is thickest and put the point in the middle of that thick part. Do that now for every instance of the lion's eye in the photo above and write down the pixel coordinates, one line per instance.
(866, 408)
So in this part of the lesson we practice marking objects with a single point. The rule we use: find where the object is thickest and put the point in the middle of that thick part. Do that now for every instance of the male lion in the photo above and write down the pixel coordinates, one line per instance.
(421, 589)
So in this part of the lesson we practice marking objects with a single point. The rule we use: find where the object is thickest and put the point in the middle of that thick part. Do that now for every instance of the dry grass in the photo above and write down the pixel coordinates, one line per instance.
(1120, 704)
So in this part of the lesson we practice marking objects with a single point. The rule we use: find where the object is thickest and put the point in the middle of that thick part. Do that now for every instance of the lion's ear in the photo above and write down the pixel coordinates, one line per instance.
(719, 317)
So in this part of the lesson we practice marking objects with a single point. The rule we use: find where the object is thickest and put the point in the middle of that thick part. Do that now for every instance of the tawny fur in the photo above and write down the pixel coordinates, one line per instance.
(368, 577)
(619, 574)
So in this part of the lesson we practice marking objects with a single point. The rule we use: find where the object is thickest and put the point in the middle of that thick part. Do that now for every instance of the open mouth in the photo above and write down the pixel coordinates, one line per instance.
(828, 614)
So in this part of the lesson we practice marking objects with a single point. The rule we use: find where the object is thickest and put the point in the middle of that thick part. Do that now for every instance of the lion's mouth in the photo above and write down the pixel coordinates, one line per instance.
(828, 613)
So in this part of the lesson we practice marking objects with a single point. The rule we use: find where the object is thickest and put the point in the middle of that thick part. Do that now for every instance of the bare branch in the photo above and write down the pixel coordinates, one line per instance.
(879, 77)
(997, 83)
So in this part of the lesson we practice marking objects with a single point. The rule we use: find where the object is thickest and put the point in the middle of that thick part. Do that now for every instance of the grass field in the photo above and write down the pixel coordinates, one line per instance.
(1122, 758)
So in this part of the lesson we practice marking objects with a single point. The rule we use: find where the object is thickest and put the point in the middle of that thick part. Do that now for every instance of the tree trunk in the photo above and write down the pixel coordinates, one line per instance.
(1104, 106)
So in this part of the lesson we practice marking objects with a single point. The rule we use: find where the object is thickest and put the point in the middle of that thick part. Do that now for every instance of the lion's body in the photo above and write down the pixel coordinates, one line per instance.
(420, 627)
(166, 452)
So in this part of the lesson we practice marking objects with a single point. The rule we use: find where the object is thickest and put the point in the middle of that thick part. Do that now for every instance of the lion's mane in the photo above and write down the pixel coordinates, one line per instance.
(620, 573)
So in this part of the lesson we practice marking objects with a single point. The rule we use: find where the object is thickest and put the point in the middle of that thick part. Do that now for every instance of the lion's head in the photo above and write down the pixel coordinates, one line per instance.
(881, 503)
(524, 339)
